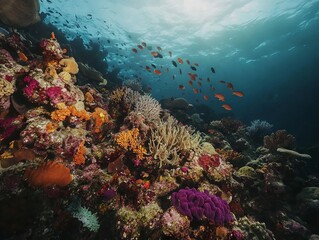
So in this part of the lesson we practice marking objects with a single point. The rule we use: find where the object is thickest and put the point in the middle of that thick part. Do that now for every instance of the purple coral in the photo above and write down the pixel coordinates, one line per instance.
(196, 204)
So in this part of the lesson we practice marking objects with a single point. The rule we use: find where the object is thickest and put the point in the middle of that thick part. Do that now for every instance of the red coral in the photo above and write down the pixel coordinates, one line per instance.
(206, 161)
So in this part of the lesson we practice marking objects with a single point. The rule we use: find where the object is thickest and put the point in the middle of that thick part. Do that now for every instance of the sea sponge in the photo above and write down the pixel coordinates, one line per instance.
(100, 117)
(129, 140)
(19, 13)
(79, 157)
(49, 174)
(70, 65)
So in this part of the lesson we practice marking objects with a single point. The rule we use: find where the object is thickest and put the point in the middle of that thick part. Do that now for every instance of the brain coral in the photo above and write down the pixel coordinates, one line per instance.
(196, 204)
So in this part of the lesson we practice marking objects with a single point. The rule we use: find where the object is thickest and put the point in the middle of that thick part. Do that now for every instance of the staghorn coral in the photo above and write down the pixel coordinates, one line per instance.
(48, 174)
(149, 107)
(279, 139)
(170, 139)
(258, 129)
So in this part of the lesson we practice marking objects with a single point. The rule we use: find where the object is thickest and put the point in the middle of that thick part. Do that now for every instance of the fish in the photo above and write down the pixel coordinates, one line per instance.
(213, 88)
(167, 70)
(155, 54)
(159, 49)
(195, 90)
(222, 81)
(159, 55)
(196, 64)
(174, 63)
(193, 68)
(22, 56)
(192, 76)
(144, 44)
(205, 97)
(230, 86)
(227, 107)
(153, 65)
(170, 53)
(158, 72)
(180, 71)
(190, 82)
(220, 97)
(188, 62)
(208, 79)
(212, 69)
(148, 68)
(53, 36)
(180, 60)
(64, 50)
(199, 84)
(238, 93)
(173, 77)
(134, 50)
(140, 47)
(181, 87)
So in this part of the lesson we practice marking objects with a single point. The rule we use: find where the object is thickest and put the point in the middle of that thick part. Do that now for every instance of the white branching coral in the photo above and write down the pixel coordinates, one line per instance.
(149, 107)
(170, 139)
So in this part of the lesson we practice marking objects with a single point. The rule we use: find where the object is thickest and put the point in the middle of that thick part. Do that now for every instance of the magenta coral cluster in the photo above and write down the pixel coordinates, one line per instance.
(196, 204)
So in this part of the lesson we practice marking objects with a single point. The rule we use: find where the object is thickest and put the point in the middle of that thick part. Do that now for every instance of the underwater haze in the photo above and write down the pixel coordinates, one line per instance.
(266, 49)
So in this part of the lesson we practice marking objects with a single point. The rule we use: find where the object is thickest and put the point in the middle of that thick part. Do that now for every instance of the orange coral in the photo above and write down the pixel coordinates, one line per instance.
(100, 117)
(51, 127)
(82, 114)
(60, 114)
(48, 174)
(79, 155)
(88, 97)
(129, 139)
(221, 232)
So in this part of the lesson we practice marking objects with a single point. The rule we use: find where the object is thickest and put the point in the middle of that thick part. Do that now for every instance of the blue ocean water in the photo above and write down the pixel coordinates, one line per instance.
(269, 50)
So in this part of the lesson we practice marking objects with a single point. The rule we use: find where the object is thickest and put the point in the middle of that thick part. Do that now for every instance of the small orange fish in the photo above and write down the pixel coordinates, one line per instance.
(140, 47)
(199, 84)
(192, 76)
(155, 54)
(147, 184)
(238, 93)
(195, 90)
(148, 68)
(230, 86)
(180, 60)
(220, 97)
(196, 64)
(227, 107)
(52, 35)
(181, 87)
(134, 50)
(170, 53)
(205, 97)
(213, 88)
(158, 72)
(64, 50)
(22, 56)
(190, 82)
(139, 181)
(159, 49)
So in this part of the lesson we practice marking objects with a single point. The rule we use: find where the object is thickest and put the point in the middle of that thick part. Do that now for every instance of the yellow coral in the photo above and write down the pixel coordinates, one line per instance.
(6, 88)
(117, 94)
(70, 65)
(65, 76)
(61, 114)
(140, 151)
(82, 114)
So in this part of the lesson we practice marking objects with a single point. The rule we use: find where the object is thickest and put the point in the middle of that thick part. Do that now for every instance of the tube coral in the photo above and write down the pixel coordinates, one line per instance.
(48, 174)
(129, 140)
